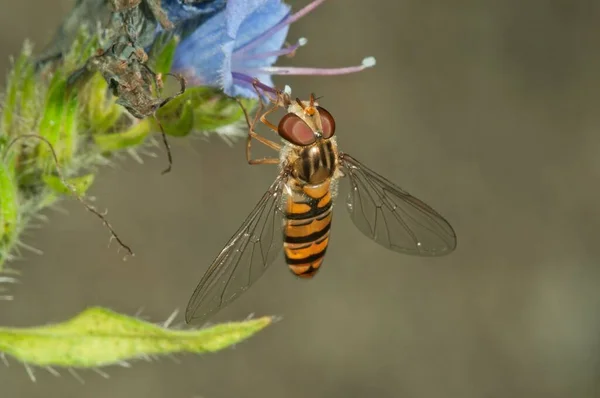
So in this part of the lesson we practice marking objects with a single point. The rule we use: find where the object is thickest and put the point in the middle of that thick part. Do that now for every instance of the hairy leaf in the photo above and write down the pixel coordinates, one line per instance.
(100, 337)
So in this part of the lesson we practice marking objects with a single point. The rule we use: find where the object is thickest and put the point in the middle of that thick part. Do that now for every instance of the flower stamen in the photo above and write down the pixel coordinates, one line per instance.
(286, 21)
(252, 81)
(288, 70)
(284, 51)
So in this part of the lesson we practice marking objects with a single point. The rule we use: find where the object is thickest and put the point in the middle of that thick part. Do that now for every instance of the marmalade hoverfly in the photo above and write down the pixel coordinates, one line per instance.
(295, 212)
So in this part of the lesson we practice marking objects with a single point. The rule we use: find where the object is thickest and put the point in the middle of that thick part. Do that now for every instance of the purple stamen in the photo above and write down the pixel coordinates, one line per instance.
(287, 70)
(286, 21)
(252, 81)
(284, 51)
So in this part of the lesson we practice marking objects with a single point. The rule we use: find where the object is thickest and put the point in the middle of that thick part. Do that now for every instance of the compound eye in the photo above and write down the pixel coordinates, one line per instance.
(293, 129)
(327, 121)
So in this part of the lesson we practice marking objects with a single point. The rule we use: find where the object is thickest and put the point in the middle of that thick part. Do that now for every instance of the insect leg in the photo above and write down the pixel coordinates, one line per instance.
(263, 140)
(73, 191)
(263, 161)
(155, 80)
(267, 142)
(166, 143)
(256, 84)
(181, 90)
(159, 14)
(263, 117)
(163, 103)
(267, 123)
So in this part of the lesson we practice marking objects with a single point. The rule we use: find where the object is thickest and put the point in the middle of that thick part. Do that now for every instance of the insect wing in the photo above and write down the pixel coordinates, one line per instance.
(392, 217)
(245, 257)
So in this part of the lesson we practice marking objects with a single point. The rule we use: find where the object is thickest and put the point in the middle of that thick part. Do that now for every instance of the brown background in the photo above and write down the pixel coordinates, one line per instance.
(487, 110)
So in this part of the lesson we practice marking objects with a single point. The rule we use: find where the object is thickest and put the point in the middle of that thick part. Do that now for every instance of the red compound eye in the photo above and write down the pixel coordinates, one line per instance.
(327, 121)
(293, 129)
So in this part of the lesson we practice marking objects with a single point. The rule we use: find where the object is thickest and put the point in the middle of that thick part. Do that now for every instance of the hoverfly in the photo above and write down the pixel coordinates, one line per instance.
(295, 212)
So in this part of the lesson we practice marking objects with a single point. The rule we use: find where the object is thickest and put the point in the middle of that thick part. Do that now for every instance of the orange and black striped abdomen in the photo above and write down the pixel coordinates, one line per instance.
(306, 229)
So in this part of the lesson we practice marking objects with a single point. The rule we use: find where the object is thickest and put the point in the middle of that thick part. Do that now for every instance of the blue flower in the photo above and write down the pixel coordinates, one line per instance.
(240, 43)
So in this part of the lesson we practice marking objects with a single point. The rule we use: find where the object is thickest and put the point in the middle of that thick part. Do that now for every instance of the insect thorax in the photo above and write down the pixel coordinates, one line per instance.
(313, 164)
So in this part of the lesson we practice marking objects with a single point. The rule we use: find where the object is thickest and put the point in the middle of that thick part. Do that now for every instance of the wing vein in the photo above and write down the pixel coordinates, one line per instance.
(392, 217)
(241, 263)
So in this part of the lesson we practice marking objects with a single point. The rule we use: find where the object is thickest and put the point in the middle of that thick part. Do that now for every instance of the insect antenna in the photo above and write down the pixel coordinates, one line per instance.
(88, 206)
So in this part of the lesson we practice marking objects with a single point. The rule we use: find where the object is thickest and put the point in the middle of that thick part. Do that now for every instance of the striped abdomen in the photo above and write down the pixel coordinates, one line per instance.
(306, 229)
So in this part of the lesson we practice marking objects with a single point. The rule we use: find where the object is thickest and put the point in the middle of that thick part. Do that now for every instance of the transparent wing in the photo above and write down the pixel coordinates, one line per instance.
(392, 217)
(245, 257)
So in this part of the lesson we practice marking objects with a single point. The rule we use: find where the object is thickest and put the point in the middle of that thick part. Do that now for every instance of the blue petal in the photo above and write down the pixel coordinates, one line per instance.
(210, 50)
(202, 51)
(226, 79)
(263, 17)
(238, 11)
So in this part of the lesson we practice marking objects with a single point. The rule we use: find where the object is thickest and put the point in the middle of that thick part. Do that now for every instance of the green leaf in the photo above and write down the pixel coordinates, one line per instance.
(81, 184)
(102, 110)
(178, 119)
(128, 139)
(84, 46)
(99, 337)
(220, 112)
(29, 100)
(51, 123)
(210, 108)
(163, 51)
(69, 128)
(10, 106)
(9, 211)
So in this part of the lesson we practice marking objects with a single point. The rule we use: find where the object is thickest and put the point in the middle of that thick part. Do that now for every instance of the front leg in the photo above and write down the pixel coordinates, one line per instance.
(267, 123)
(269, 143)
(252, 134)
(159, 14)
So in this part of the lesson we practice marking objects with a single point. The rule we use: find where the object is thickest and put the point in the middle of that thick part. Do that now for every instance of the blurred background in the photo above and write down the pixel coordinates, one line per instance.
(488, 111)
